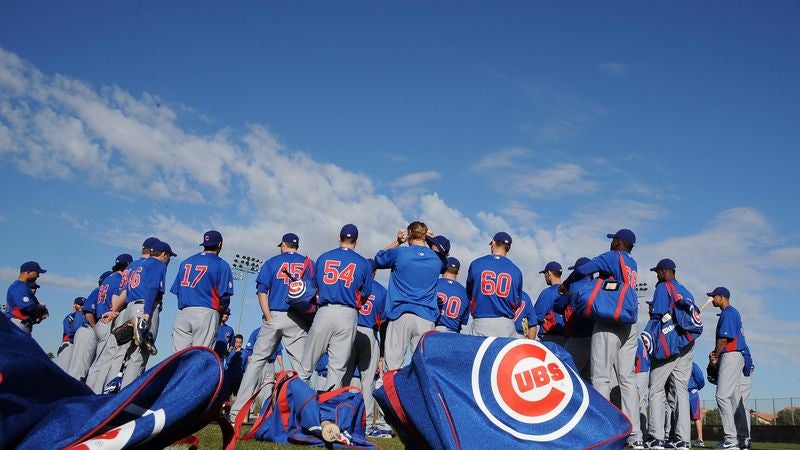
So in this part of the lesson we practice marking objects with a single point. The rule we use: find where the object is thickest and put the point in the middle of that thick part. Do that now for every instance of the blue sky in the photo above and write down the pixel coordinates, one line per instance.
(556, 122)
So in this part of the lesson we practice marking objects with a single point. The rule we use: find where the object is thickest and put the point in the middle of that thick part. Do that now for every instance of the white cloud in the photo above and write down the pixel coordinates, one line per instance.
(508, 157)
(415, 179)
(613, 69)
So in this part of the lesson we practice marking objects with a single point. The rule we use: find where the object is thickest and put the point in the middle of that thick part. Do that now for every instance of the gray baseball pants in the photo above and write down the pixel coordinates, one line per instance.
(194, 326)
(106, 349)
(614, 355)
(742, 415)
(286, 326)
(364, 357)
(728, 395)
(494, 326)
(84, 346)
(642, 385)
(677, 370)
(333, 330)
(63, 355)
(401, 333)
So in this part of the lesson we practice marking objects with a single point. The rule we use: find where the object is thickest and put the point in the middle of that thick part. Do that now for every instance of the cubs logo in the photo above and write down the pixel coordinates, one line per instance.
(297, 289)
(525, 390)
(696, 319)
(647, 341)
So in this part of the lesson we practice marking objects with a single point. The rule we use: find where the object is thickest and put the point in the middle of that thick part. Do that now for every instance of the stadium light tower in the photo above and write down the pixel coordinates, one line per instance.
(243, 266)
(640, 289)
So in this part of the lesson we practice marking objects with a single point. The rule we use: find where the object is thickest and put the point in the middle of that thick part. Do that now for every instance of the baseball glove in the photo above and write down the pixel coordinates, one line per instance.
(712, 372)
(123, 333)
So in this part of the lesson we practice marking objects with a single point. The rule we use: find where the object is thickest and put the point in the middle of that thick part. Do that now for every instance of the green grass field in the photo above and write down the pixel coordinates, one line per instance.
(210, 438)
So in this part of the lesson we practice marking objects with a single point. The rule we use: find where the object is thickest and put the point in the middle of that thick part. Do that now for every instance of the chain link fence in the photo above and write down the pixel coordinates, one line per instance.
(763, 411)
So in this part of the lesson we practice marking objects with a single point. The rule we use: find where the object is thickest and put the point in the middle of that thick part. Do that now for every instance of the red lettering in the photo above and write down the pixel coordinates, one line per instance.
(555, 372)
(495, 284)
(540, 376)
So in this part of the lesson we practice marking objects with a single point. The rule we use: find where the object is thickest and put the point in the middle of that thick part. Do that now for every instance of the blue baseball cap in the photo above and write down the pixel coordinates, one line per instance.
(721, 290)
(665, 263)
(289, 238)
(552, 266)
(624, 235)
(80, 300)
(212, 238)
(579, 262)
(349, 231)
(373, 264)
(31, 266)
(453, 262)
(502, 236)
(148, 243)
(441, 242)
(124, 258)
(105, 275)
(163, 247)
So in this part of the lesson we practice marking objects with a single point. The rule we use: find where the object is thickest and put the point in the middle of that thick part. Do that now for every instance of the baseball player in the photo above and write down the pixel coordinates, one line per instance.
(411, 307)
(677, 369)
(343, 279)
(525, 313)
(613, 347)
(550, 323)
(365, 355)
(729, 356)
(225, 337)
(143, 293)
(204, 287)
(71, 323)
(280, 323)
(452, 299)
(494, 284)
(105, 315)
(22, 307)
(642, 368)
(234, 364)
(84, 343)
(696, 382)
(577, 328)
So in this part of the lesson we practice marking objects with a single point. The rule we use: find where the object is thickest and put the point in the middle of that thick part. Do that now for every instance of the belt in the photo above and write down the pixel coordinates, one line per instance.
(137, 302)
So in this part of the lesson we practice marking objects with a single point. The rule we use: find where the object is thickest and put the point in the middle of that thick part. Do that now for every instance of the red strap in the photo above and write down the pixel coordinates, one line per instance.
(242, 415)
(325, 396)
(664, 344)
(593, 296)
(192, 441)
(626, 284)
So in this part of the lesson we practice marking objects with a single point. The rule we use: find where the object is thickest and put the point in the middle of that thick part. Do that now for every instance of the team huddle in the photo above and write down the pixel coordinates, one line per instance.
(333, 309)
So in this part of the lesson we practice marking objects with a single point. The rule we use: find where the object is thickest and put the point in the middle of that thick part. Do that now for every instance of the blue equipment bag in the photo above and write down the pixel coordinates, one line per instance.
(473, 392)
(675, 331)
(610, 300)
(302, 296)
(43, 407)
(294, 413)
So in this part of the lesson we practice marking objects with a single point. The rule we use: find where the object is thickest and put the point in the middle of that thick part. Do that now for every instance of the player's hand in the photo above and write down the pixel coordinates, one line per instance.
(402, 236)
(563, 289)
(267, 316)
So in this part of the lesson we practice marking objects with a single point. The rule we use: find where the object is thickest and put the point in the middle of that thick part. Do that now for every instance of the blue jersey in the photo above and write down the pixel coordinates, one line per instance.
(273, 281)
(729, 326)
(370, 314)
(575, 323)
(453, 304)
(110, 287)
(642, 358)
(68, 327)
(495, 286)
(224, 339)
(90, 304)
(343, 277)
(234, 365)
(698, 380)
(145, 281)
(616, 264)
(412, 284)
(661, 303)
(524, 310)
(551, 322)
(203, 280)
(21, 303)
